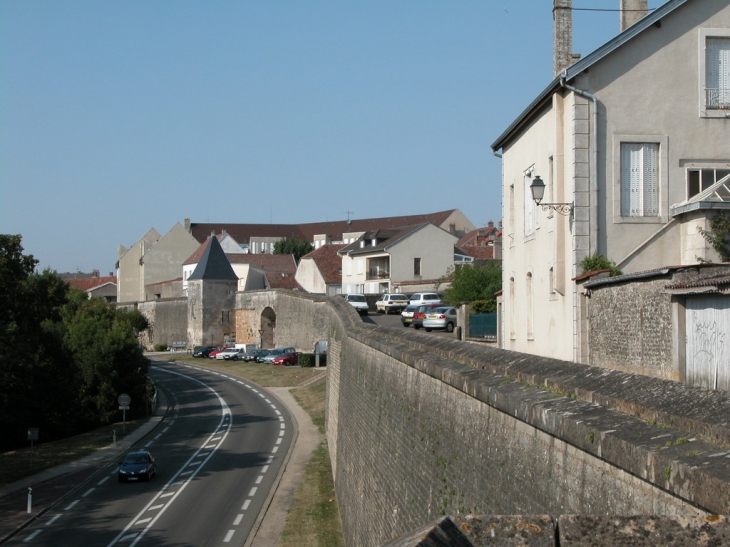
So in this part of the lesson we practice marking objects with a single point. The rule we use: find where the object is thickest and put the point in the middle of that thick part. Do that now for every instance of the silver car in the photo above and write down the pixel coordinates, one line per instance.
(440, 318)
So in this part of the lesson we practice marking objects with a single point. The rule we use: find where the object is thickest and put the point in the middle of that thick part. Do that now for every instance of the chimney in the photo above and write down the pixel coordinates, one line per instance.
(632, 11)
(562, 35)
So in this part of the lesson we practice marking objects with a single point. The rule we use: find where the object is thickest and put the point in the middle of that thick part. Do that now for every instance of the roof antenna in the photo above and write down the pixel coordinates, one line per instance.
(348, 213)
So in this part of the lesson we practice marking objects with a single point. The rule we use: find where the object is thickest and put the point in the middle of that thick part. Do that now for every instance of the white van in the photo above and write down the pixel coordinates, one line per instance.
(247, 347)
(425, 298)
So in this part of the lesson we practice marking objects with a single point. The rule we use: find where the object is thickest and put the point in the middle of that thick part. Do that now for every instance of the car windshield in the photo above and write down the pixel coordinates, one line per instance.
(136, 458)
(399, 297)
(356, 298)
(440, 310)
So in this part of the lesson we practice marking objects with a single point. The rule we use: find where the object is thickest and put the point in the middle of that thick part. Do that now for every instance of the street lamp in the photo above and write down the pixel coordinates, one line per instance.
(538, 192)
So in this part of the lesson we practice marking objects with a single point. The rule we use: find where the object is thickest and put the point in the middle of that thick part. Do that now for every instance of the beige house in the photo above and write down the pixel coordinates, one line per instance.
(625, 141)
(381, 260)
(320, 272)
(152, 259)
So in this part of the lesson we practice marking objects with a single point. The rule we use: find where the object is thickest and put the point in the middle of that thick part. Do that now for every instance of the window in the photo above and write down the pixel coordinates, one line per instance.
(416, 266)
(639, 179)
(717, 73)
(714, 72)
(699, 180)
(530, 213)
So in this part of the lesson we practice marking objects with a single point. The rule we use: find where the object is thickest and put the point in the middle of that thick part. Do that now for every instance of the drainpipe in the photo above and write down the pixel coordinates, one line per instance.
(593, 199)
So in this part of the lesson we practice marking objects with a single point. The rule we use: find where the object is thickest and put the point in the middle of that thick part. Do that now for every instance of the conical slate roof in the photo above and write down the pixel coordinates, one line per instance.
(214, 264)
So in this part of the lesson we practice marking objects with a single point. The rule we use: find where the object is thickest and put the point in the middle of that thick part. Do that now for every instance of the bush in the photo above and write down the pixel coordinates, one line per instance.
(597, 262)
(482, 306)
(309, 359)
(160, 347)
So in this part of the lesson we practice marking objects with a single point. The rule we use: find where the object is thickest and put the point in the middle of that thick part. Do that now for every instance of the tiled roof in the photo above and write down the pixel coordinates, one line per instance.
(244, 232)
(88, 283)
(718, 283)
(274, 263)
(328, 262)
(478, 252)
(282, 280)
(384, 239)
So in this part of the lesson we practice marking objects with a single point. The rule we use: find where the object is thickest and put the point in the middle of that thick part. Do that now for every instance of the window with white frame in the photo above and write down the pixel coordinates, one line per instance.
(714, 72)
(639, 179)
(700, 179)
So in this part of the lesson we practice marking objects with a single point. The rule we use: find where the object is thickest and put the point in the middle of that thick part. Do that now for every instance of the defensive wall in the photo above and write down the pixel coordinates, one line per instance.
(421, 426)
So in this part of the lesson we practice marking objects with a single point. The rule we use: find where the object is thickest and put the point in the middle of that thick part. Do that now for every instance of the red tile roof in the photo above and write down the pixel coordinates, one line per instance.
(328, 262)
(244, 232)
(88, 283)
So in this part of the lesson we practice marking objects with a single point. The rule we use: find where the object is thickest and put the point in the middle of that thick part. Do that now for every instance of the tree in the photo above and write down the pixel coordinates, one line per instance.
(64, 359)
(719, 235)
(294, 246)
(471, 282)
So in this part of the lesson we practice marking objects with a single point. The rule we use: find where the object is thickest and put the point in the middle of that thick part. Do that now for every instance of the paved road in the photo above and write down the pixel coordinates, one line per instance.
(220, 449)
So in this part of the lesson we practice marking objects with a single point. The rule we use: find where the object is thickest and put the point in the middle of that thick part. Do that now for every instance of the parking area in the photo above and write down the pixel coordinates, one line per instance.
(393, 320)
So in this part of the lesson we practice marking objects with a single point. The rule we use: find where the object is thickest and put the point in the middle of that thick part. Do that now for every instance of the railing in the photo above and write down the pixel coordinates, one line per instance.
(717, 98)
(377, 274)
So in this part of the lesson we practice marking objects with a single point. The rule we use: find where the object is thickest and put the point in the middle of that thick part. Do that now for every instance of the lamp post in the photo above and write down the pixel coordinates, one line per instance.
(538, 192)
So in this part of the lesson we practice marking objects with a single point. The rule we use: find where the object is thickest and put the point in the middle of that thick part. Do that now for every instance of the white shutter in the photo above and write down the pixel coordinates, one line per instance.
(639, 179)
(651, 180)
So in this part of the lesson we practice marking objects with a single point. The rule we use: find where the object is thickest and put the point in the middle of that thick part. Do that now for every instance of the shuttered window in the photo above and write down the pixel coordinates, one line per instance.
(717, 73)
(639, 179)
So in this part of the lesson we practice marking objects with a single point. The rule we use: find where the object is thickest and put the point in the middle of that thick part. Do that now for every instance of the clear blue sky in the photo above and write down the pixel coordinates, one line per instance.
(120, 116)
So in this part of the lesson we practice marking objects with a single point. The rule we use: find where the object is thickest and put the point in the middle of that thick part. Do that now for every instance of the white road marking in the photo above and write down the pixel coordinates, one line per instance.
(238, 519)
(89, 491)
(71, 505)
(54, 519)
(259, 479)
(246, 504)
(252, 493)
(229, 535)
(102, 481)
(33, 535)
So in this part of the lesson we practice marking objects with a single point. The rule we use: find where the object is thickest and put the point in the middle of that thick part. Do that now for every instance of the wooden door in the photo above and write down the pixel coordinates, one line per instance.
(708, 337)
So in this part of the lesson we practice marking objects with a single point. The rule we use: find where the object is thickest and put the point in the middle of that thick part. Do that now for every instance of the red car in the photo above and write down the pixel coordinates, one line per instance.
(286, 359)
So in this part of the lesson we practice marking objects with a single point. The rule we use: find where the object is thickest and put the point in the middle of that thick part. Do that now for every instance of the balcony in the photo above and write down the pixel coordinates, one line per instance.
(378, 268)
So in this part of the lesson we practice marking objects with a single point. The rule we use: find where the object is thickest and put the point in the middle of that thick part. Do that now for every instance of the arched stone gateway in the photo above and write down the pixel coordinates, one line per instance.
(268, 324)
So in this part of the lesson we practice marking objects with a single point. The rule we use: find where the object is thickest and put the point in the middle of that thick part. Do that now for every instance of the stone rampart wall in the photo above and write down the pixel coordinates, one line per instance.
(420, 426)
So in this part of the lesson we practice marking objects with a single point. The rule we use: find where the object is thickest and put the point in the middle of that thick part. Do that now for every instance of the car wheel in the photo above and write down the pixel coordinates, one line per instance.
(449, 327)
(428, 330)
(416, 327)
(235, 357)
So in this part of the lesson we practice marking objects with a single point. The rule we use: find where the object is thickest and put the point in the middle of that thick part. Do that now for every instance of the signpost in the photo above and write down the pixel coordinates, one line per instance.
(261, 338)
(124, 401)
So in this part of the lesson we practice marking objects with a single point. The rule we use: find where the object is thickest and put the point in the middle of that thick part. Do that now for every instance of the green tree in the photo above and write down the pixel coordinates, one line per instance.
(64, 359)
(471, 282)
(719, 235)
(294, 246)
(597, 262)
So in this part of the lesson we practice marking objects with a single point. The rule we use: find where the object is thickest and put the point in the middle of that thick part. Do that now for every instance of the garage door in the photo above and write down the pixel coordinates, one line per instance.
(708, 337)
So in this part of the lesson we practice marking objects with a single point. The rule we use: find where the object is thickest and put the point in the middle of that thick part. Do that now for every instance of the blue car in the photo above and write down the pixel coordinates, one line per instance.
(137, 466)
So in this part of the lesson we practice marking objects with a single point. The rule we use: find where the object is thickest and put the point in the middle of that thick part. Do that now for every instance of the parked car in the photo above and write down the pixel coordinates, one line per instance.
(227, 353)
(420, 314)
(406, 316)
(288, 358)
(391, 303)
(216, 351)
(359, 302)
(255, 356)
(274, 353)
(137, 465)
(204, 351)
(440, 318)
(425, 298)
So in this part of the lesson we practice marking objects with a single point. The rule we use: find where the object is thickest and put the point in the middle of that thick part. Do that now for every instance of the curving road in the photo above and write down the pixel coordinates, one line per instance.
(218, 452)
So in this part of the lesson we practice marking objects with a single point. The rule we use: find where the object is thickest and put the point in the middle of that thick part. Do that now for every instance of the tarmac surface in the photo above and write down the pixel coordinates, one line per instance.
(52, 486)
